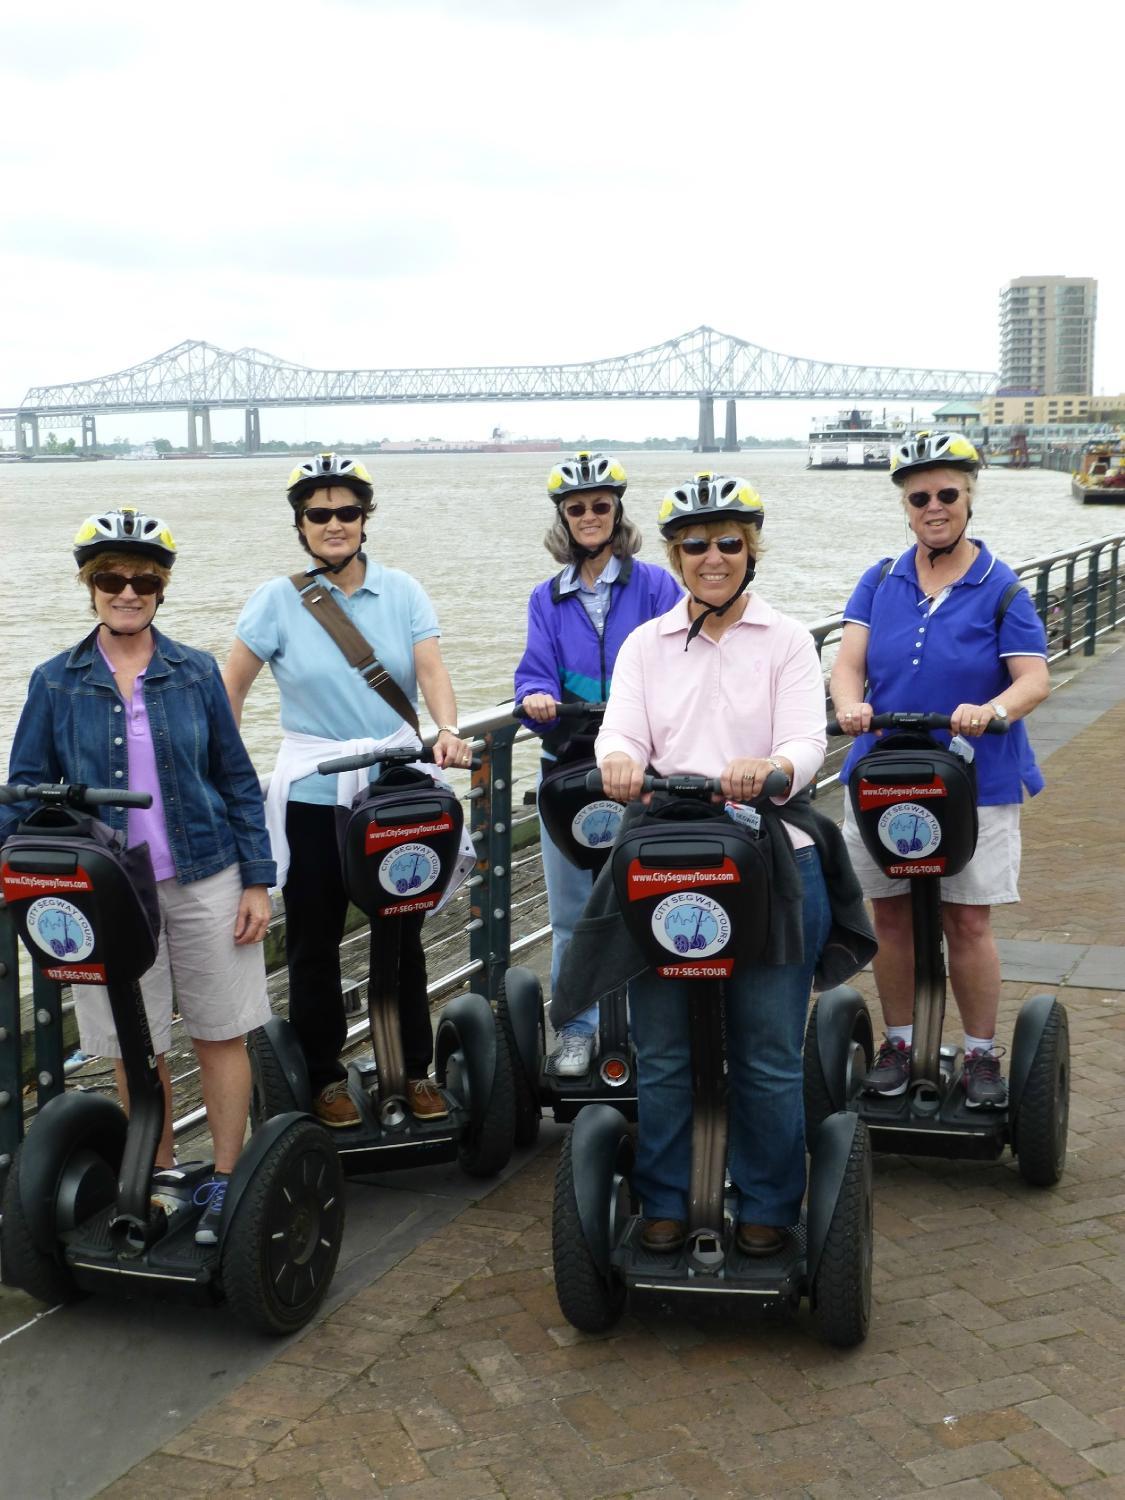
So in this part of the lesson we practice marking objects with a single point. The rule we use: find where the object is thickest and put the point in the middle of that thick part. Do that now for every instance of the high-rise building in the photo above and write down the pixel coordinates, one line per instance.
(1047, 335)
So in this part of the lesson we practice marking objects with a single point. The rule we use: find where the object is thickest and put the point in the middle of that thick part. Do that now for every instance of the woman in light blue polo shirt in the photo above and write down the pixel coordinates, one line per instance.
(941, 631)
(327, 709)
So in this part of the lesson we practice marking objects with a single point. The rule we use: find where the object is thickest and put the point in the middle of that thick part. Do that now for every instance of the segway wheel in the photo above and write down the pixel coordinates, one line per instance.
(25, 1265)
(1041, 1124)
(486, 1146)
(590, 1301)
(280, 1251)
(841, 1291)
(270, 1091)
(819, 1101)
(525, 1096)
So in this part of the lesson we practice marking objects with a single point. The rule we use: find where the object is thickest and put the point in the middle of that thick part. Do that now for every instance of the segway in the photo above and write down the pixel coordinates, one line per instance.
(583, 825)
(916, 805)
(695, 896)
(398, 850)
(77, 1209)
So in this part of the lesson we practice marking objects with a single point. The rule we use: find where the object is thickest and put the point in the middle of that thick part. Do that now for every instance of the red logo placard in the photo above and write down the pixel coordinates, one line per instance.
(77, 973)
(705, 968)
(19, 885)
(906, 868)
(881, 794)
(419, 903)
(376, 839)
(643, 881)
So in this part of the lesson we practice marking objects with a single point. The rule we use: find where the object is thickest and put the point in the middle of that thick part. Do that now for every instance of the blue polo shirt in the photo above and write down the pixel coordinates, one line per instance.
(320, 693)
(929, 655)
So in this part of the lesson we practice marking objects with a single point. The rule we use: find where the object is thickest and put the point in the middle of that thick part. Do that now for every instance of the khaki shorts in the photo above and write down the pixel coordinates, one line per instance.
(220, 988)
(991, 878)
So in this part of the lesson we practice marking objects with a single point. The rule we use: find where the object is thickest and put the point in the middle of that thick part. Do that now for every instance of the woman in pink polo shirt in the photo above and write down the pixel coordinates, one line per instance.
(722, 685)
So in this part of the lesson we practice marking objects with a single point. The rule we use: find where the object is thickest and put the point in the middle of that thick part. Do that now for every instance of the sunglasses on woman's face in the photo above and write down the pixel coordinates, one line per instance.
(578, 508)
(320, 515)
(698, 546)
(143, 583)
(921, 498)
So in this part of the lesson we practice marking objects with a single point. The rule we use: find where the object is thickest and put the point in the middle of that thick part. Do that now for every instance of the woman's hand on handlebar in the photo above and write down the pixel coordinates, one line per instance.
(971, 719)
(541, 707)
(451, 751)
(854, 718)
(744, 779)
(253, 915)
(622, 777)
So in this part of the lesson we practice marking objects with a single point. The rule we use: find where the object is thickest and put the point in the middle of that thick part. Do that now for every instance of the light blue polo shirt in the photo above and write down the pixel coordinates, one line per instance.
(320, 693)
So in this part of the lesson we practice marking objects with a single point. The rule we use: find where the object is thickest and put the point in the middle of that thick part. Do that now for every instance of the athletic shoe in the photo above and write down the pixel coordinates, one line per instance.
(759, 1239)
(425, 1099)
(982, 1081)
(573, 1055)
(662, 1236)
(891, 1072)
(210, 1194)
(334, 1106)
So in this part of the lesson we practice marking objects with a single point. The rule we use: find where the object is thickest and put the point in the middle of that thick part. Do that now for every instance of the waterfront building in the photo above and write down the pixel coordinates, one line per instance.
(1047, 335)
(1047, 409)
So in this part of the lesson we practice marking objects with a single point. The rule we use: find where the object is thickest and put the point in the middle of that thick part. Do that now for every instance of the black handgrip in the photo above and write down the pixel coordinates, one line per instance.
(565, 710)
(693, 786)
(74, 794)
(103, 797)
(919, 721)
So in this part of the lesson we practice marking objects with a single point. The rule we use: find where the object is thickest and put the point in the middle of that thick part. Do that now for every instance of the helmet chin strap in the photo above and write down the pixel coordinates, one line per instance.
(144, 627)
(327, 567)
(719, 610)
(936, 552)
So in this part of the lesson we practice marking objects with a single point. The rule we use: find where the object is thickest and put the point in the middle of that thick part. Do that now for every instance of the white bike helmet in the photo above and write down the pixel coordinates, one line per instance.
(933, 450)
(324, 471)
(124, 530)
(710, 497)
(586, 471)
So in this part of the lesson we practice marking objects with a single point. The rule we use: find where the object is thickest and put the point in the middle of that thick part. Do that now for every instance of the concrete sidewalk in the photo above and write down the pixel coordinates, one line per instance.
(996, 1360)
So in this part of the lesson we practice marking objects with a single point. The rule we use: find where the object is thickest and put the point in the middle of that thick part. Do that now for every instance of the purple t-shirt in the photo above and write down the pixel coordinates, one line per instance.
(146, 824)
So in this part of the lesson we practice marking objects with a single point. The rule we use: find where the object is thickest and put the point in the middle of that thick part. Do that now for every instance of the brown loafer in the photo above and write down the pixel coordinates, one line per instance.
(425, 1099)
(662, 1236)
(334, 1106)
(759, 1239)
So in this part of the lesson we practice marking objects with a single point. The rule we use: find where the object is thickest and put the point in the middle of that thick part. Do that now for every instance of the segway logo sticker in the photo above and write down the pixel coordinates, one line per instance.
(595, 825)
(643, 881)
(909, 830)
(409, 869)
(880, 794)
(19, 884)
(59, 928)
(691, 923)
(376, 838)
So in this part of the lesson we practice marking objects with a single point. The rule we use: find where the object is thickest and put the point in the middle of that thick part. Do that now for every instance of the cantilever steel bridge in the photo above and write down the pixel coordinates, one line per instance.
(702, 365)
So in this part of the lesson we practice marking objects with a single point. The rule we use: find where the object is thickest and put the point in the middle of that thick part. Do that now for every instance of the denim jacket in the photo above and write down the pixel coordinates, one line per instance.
(71, 730)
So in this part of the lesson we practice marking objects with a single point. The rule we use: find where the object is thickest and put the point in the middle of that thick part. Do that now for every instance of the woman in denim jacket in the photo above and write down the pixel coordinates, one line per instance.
(128, 707)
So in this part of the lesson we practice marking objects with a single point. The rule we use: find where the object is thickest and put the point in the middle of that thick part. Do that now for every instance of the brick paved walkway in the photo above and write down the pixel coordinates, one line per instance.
(995, 1364)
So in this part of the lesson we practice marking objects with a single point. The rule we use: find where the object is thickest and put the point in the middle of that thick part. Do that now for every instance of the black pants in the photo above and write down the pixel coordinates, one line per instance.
(315, 909)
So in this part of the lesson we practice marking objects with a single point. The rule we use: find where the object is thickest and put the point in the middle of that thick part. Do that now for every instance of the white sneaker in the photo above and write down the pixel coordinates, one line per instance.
(573, 1055)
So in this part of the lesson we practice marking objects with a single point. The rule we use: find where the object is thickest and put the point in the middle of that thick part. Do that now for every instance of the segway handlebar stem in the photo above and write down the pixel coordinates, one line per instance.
(389, 758)
(917, 721)
(73, 794)
(694, 786)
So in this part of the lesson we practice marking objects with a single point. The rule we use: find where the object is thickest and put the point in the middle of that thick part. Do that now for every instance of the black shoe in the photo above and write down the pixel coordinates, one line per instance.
(982, 1081)
(662, 1236)
(211, 1193)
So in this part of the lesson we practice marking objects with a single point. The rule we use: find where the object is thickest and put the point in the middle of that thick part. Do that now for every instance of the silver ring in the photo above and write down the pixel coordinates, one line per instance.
(974, 721)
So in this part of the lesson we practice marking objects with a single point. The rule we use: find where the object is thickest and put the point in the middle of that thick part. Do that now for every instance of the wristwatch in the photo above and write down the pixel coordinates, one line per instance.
(449, 729)
(999, 710)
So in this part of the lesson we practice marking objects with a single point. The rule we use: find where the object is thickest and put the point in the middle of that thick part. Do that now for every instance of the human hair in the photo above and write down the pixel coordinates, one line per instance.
(720, 527)
(564, 549)
(121, 562)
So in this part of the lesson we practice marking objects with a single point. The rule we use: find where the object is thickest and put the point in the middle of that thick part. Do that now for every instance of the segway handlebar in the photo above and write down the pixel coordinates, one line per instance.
(74, 794)
(693, 786)
(918, 721)
(566, 710)
(388, 758)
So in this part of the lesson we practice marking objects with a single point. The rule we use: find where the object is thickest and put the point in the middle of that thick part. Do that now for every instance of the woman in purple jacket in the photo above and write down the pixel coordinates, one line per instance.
(576, 623)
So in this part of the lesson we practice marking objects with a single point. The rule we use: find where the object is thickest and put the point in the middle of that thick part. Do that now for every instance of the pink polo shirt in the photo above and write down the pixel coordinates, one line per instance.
(756, 691)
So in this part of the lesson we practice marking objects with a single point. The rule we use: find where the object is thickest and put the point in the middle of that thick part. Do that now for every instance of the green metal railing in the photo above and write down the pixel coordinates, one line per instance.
(500, 913)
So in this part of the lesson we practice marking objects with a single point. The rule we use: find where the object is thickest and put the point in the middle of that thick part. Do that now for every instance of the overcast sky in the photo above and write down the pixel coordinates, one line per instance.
(428, 183)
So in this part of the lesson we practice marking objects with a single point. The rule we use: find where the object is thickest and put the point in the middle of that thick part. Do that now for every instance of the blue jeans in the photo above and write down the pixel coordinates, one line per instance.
(765, 1021)
(568, 890)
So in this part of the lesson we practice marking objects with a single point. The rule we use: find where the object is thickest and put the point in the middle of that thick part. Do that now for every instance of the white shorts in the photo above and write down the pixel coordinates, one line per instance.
(220, 989)
(991, 878)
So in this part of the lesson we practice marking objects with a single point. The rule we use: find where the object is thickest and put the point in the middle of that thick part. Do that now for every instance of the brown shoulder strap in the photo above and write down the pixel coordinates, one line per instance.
(354, 644)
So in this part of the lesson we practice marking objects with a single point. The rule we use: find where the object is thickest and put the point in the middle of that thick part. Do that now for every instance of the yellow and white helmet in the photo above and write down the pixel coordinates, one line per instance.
(933, 450)
(325, 470)
(710, 497)
(586, 471)
(124, 530)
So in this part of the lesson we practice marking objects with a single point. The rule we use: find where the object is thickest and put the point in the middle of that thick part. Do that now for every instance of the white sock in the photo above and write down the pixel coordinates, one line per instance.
(978, 1043)
(904, 1034)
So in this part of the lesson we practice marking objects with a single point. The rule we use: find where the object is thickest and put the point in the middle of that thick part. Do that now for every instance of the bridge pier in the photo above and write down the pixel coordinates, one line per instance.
(27, 422)
(199, 442)
(706, 442)
(730, 439)
(89, 433)
(253, 430)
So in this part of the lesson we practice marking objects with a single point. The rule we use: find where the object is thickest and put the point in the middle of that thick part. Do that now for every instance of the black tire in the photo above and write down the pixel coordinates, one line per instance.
(1041, 1125)
(818, 1096)
(271, 1093)
(486, 1146)
(840, 1296)
(280, 1250)
(528, 1110)
(25, 1265)
(589, 1301)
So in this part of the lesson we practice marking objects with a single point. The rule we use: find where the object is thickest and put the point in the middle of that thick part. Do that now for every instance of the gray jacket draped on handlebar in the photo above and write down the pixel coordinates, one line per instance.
(602, 956)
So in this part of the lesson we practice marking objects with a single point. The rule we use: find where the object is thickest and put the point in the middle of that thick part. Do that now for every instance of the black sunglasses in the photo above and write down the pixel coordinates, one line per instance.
(143, 583)
(698, 546)
(921, 498)
(320, 515)
(578, 508)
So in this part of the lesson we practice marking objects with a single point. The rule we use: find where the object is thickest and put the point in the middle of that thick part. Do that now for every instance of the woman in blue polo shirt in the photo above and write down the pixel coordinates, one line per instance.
(940, 631)
(327, 709)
